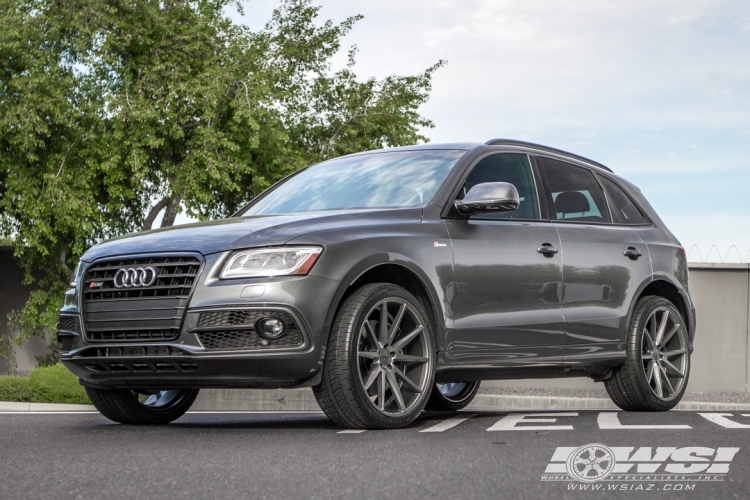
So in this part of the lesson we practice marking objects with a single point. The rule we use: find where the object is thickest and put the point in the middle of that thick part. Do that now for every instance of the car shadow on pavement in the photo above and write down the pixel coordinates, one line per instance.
(254, 421)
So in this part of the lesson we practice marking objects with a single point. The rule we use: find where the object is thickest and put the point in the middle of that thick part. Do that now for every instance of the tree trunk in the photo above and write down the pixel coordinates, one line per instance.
(171, 212)
(153, 213)
(64, 261)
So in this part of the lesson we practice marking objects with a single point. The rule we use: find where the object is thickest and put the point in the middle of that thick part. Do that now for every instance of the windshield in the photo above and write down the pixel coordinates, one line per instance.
(377, 180)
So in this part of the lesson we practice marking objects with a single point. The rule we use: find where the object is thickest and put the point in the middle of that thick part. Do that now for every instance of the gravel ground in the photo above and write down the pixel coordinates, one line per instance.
(699, 397)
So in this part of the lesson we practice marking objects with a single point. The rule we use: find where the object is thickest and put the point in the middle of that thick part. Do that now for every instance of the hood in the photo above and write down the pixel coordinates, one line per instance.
(244, 232)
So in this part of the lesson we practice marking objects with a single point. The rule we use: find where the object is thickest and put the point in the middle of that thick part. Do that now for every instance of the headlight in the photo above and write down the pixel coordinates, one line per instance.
(284, 261)
(77, 275)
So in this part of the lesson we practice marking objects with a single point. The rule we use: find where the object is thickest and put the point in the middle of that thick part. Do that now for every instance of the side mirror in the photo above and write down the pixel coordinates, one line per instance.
(489, 197)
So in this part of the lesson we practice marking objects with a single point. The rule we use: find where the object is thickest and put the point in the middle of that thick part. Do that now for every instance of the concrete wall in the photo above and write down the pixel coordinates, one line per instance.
(722, 299)
(720, 362)
(13, 295)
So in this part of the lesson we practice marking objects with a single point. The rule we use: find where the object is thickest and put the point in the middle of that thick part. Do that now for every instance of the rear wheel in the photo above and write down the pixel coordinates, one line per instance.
(452, 396)
(142, 407)
(655, 373)
(379, 362)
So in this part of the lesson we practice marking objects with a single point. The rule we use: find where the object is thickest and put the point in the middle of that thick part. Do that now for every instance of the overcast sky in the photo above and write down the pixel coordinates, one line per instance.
(659, 90)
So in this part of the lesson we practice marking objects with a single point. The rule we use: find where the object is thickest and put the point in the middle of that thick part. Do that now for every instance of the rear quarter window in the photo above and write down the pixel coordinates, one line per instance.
(624, 211)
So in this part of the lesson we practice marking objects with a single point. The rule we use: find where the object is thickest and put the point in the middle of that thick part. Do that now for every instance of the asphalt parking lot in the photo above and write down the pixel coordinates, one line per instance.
(301, 455)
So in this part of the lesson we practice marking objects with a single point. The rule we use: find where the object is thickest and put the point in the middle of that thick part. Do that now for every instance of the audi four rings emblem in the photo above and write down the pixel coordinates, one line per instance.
(135, 277)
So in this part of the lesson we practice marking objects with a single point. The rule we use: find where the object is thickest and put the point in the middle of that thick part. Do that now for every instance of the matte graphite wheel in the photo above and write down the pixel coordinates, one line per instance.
(379, 362)
(452, 396)
(142, 407)
(655, 373)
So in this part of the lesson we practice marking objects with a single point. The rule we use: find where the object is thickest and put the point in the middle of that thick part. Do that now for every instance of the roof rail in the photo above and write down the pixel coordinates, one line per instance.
(512, 142)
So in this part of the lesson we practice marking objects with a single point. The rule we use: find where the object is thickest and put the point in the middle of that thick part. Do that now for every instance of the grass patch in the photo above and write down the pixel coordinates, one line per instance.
(49, 384)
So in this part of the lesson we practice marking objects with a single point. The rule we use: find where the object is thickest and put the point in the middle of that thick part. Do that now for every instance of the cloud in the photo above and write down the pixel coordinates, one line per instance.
(634, 84)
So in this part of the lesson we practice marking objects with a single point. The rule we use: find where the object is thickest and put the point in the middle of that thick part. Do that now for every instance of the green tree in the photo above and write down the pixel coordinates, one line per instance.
(113, 111)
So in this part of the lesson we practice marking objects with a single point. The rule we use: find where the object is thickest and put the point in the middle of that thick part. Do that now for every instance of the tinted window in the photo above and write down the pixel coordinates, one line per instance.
(624, 210)
(575, 194)
(512, 168)
(377, 180)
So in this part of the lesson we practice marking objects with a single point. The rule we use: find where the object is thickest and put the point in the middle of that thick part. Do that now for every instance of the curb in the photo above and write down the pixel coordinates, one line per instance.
(303, 399)
(218, 400)
(13, 407)
(512, 402)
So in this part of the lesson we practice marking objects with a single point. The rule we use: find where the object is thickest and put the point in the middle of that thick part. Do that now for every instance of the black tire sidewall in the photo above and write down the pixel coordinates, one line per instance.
(377, 293)
(642, 313)
(122, 405)
(438, 402)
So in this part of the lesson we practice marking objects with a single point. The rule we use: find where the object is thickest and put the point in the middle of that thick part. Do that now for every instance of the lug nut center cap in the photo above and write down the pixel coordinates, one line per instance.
(385, 357)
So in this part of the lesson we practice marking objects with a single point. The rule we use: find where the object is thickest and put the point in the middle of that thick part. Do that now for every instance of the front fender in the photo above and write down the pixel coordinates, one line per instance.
(423, 249)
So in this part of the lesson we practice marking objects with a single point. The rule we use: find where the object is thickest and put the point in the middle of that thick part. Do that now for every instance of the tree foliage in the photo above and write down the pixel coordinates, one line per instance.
(112, 111)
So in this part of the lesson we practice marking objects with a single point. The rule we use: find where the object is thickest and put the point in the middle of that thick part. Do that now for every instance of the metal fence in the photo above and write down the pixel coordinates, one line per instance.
(714, 254)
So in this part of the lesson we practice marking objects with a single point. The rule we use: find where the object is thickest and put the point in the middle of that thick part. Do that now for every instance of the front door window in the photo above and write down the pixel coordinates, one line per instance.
(514, 169)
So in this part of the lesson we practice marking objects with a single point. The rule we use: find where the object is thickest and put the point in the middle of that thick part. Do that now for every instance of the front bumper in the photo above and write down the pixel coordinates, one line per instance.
(199, 370)
(189, 361)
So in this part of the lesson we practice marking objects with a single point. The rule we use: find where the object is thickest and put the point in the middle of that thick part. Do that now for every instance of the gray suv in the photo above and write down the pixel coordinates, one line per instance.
(390, 282)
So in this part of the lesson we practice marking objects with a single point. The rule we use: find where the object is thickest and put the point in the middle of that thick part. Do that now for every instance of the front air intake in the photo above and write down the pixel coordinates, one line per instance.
(236, 330)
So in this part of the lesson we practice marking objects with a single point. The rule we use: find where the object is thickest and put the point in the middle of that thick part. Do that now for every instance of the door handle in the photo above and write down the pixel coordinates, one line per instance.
(632, 253)
(547, 248)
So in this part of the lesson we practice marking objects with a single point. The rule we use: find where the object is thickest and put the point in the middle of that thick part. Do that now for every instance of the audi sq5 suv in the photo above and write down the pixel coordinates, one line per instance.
(390, 282)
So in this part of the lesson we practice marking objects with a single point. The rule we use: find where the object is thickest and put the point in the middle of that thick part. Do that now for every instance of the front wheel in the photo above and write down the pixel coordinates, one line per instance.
(452, 396)
(379, 362)
(655, 373)
(142, 407)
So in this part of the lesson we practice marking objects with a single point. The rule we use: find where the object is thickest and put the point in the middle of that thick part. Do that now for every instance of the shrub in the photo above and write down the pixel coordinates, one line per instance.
(15, 389)
(55, 384)
(49, 384)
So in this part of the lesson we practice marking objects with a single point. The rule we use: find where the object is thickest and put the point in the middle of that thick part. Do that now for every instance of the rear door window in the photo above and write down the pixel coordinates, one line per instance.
(574, 193)
(624, 210)
(506, 167)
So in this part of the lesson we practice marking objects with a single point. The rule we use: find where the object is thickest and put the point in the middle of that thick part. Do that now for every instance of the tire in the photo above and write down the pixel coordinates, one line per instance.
(452, 396)
(363, 363)
(141, 408)
(657, 367)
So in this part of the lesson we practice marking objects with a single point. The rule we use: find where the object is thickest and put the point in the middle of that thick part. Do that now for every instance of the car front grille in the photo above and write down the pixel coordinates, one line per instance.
(138, 313)
(141, 367)
(132, 335)
(129, 351)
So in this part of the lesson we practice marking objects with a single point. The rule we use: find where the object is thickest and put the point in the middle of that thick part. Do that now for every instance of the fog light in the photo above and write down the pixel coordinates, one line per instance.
(270, 328)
